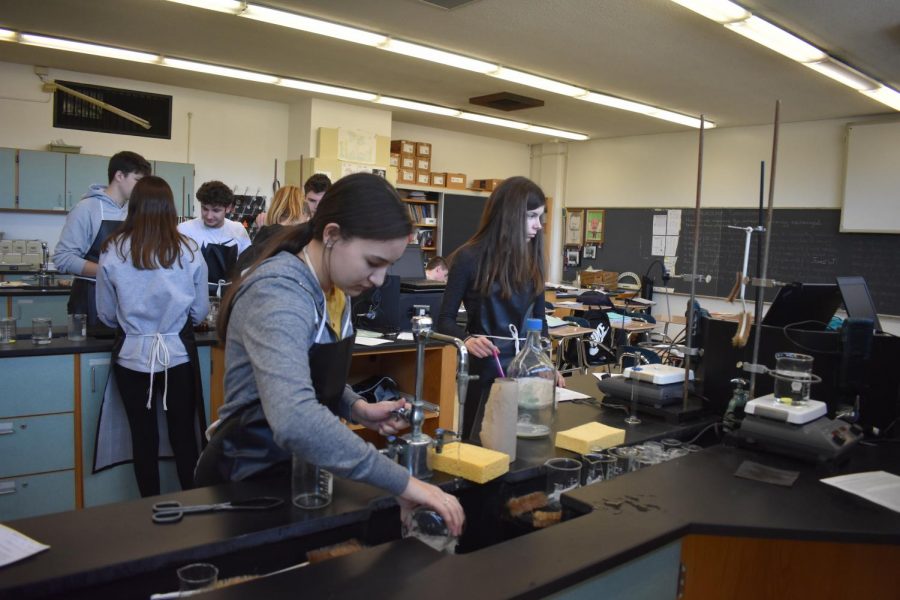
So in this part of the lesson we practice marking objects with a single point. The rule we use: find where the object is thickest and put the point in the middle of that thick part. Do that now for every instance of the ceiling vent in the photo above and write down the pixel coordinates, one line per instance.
(448, 4)
(70, 112)
(506, 101)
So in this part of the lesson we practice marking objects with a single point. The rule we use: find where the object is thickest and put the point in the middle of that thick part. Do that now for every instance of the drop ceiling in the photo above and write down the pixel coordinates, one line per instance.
(652, 51)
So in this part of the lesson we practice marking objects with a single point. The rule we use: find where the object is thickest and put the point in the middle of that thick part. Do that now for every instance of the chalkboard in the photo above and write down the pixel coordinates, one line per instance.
(461, 215)
(806, 246)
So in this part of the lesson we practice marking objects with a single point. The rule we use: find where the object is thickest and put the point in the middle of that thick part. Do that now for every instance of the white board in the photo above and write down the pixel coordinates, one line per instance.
(872, 178)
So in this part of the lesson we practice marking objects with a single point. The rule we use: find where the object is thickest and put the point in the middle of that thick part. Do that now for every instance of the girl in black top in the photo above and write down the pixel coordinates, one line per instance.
(498, 275)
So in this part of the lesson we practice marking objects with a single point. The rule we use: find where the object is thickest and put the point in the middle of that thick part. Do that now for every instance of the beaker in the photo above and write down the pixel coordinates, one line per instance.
(793, 376)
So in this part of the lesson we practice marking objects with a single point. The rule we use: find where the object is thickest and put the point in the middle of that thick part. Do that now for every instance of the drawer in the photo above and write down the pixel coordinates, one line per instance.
(32, 495)
(37, 444)
(35, 385)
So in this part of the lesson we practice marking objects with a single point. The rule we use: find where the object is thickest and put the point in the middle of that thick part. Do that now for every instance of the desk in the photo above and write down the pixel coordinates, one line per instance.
(562, 336)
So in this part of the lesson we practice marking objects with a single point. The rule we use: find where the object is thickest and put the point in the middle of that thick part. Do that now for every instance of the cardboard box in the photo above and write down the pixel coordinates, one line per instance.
(606, 279)
(423, 177)
(423, 164)
(456, 181)
(395, 160)
(406, 176)
(407, 161)
(403, 147)
(423, 149)
(485, 185)
(439, 179)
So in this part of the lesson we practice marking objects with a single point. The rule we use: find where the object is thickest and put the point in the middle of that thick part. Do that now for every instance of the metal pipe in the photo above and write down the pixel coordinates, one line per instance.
(462, 371)
(690, 312)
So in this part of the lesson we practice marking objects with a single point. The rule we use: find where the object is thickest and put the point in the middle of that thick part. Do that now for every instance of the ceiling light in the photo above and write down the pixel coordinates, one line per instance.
(535, 81)
(557, 133)
(674, 117)
(777, 39)
(721, 11)
(420, 106)
(226, 6)
(885, 95)
(619, 103)
(843, 74)
(327, 89)
(439, 56)
(493, 120)
(94, 49)
(7, 35)
(189, 65)
(295, 21)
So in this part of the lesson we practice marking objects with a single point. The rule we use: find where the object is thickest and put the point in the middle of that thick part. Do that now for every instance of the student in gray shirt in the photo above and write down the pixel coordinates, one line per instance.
(288, 342)
(151, 284)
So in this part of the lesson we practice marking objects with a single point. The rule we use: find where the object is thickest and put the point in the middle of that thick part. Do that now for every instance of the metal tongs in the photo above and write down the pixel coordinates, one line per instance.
(172, 511)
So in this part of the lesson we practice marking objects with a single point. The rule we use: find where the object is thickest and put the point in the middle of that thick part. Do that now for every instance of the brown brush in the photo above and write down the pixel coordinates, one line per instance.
(544, 518)
(342, 549)
(743, 331)
(523, 504)
(739, 278)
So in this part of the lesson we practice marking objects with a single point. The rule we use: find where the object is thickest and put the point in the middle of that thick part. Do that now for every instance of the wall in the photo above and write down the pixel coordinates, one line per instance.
(479, 157)
(661, 170)
(232, 138)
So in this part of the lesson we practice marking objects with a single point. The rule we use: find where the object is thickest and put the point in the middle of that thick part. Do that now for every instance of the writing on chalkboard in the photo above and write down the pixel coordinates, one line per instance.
(806, 246)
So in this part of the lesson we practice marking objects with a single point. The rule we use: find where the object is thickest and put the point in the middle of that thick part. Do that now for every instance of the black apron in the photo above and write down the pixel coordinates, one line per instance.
(495, 317)
(243, 446)
(220, 260)
(83, 297)
(112, 444)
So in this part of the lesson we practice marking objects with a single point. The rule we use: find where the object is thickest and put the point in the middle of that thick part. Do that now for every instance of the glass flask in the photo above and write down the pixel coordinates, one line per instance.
(536, 380)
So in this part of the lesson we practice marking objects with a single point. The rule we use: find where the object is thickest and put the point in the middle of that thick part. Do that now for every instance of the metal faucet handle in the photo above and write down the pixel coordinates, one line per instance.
(440, 434)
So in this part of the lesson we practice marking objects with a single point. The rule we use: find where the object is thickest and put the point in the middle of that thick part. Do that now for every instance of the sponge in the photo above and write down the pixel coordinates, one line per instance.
(590, 435)
(469, 462)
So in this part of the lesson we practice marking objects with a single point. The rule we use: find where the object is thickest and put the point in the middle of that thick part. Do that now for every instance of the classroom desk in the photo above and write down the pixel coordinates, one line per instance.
(563, 336)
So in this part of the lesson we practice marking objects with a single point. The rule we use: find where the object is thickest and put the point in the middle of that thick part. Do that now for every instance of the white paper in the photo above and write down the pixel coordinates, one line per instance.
(879, 487)
(14, 546)
(568, 303)
(364, 341)
(556, 322)
(405, 336)
(659, 224)
(673, 224)
(565, 395)
(658, 245)
(671, 245)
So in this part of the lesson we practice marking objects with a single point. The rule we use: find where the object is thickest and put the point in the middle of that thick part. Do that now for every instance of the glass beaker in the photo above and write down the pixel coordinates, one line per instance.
(563, 474)
(7, 330)
(793, 376)
(41, 330)
(77, 329)
(311, 486)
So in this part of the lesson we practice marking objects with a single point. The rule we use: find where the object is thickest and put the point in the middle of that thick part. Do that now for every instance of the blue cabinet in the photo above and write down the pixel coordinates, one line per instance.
(42, 180)
(7, 178)
(83, 171)
(180, 177)
(38, 494)
(26, 308)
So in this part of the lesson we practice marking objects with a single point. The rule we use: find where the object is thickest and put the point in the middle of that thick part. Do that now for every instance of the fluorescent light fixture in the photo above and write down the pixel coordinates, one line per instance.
(674, 117)
(777, 39)
(843, 74)
(493, 120)
(885, 95)
(420, 106)
(189, 65)
(439, 56)
(83, 48)
(7, 35)
(308, 24)
(721, 11)
(557, 133)
(309, 86)
(619, 103)
(226, 6)
(535, 81)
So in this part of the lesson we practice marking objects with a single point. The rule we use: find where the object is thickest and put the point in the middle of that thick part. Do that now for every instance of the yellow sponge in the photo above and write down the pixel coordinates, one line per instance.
(590, 435)
(469, 462)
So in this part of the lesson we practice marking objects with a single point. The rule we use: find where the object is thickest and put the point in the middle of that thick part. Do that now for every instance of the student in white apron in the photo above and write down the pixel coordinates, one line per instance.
(151, 286)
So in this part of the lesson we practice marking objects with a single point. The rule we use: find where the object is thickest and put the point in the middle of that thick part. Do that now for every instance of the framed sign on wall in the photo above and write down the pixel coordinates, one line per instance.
(574, 227)
(594, 222)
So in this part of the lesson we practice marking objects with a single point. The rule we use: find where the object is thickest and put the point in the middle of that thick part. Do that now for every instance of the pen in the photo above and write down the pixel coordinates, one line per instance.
(499, 366)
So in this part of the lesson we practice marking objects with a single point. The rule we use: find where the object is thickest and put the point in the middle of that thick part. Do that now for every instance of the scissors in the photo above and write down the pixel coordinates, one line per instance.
(171, 511)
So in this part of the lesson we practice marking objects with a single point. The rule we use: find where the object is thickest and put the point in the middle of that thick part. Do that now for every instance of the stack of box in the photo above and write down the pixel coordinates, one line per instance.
(413, 161)
(485, 185)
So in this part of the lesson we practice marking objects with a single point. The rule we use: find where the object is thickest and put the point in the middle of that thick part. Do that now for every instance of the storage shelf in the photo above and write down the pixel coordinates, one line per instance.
(417, 201)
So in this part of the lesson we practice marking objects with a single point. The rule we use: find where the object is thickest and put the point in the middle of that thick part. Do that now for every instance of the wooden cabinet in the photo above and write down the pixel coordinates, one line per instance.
(180, 177)
(37, 436)
(7, 178)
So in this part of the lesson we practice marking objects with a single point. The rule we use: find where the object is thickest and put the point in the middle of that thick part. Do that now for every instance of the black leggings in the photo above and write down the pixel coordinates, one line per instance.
(180, 417)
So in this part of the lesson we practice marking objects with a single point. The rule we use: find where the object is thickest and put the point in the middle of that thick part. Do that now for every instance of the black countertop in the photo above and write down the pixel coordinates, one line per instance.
(627, 517)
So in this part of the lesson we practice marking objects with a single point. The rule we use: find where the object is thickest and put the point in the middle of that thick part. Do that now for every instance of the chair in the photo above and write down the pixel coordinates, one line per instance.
(593, 351)
(630, 355)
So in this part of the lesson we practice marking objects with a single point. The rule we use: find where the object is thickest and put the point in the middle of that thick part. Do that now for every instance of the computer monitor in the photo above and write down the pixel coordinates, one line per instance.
(808, 305)
(858, 300)
(410, 265)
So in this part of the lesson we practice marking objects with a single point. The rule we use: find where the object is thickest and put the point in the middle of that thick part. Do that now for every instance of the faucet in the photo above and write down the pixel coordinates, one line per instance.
(412, 448)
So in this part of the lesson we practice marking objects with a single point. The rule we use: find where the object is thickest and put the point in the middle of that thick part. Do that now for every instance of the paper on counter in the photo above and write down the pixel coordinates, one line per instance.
(405, 336)
(14, 546)
(565, 395)
(364, 341)
(879, 487)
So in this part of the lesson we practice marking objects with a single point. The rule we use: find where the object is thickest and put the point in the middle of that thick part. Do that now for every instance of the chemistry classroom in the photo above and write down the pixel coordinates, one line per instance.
(699, 400)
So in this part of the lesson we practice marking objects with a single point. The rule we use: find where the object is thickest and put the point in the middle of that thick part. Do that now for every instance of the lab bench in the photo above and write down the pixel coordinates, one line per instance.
(687, 526)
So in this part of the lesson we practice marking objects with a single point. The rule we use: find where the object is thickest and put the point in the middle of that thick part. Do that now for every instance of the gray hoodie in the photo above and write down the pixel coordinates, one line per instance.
(82, 225)
(273, 324)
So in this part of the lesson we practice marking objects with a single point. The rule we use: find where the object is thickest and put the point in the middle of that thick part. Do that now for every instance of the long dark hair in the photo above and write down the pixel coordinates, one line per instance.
(363, 205)
(507, 257)
(152, 227)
